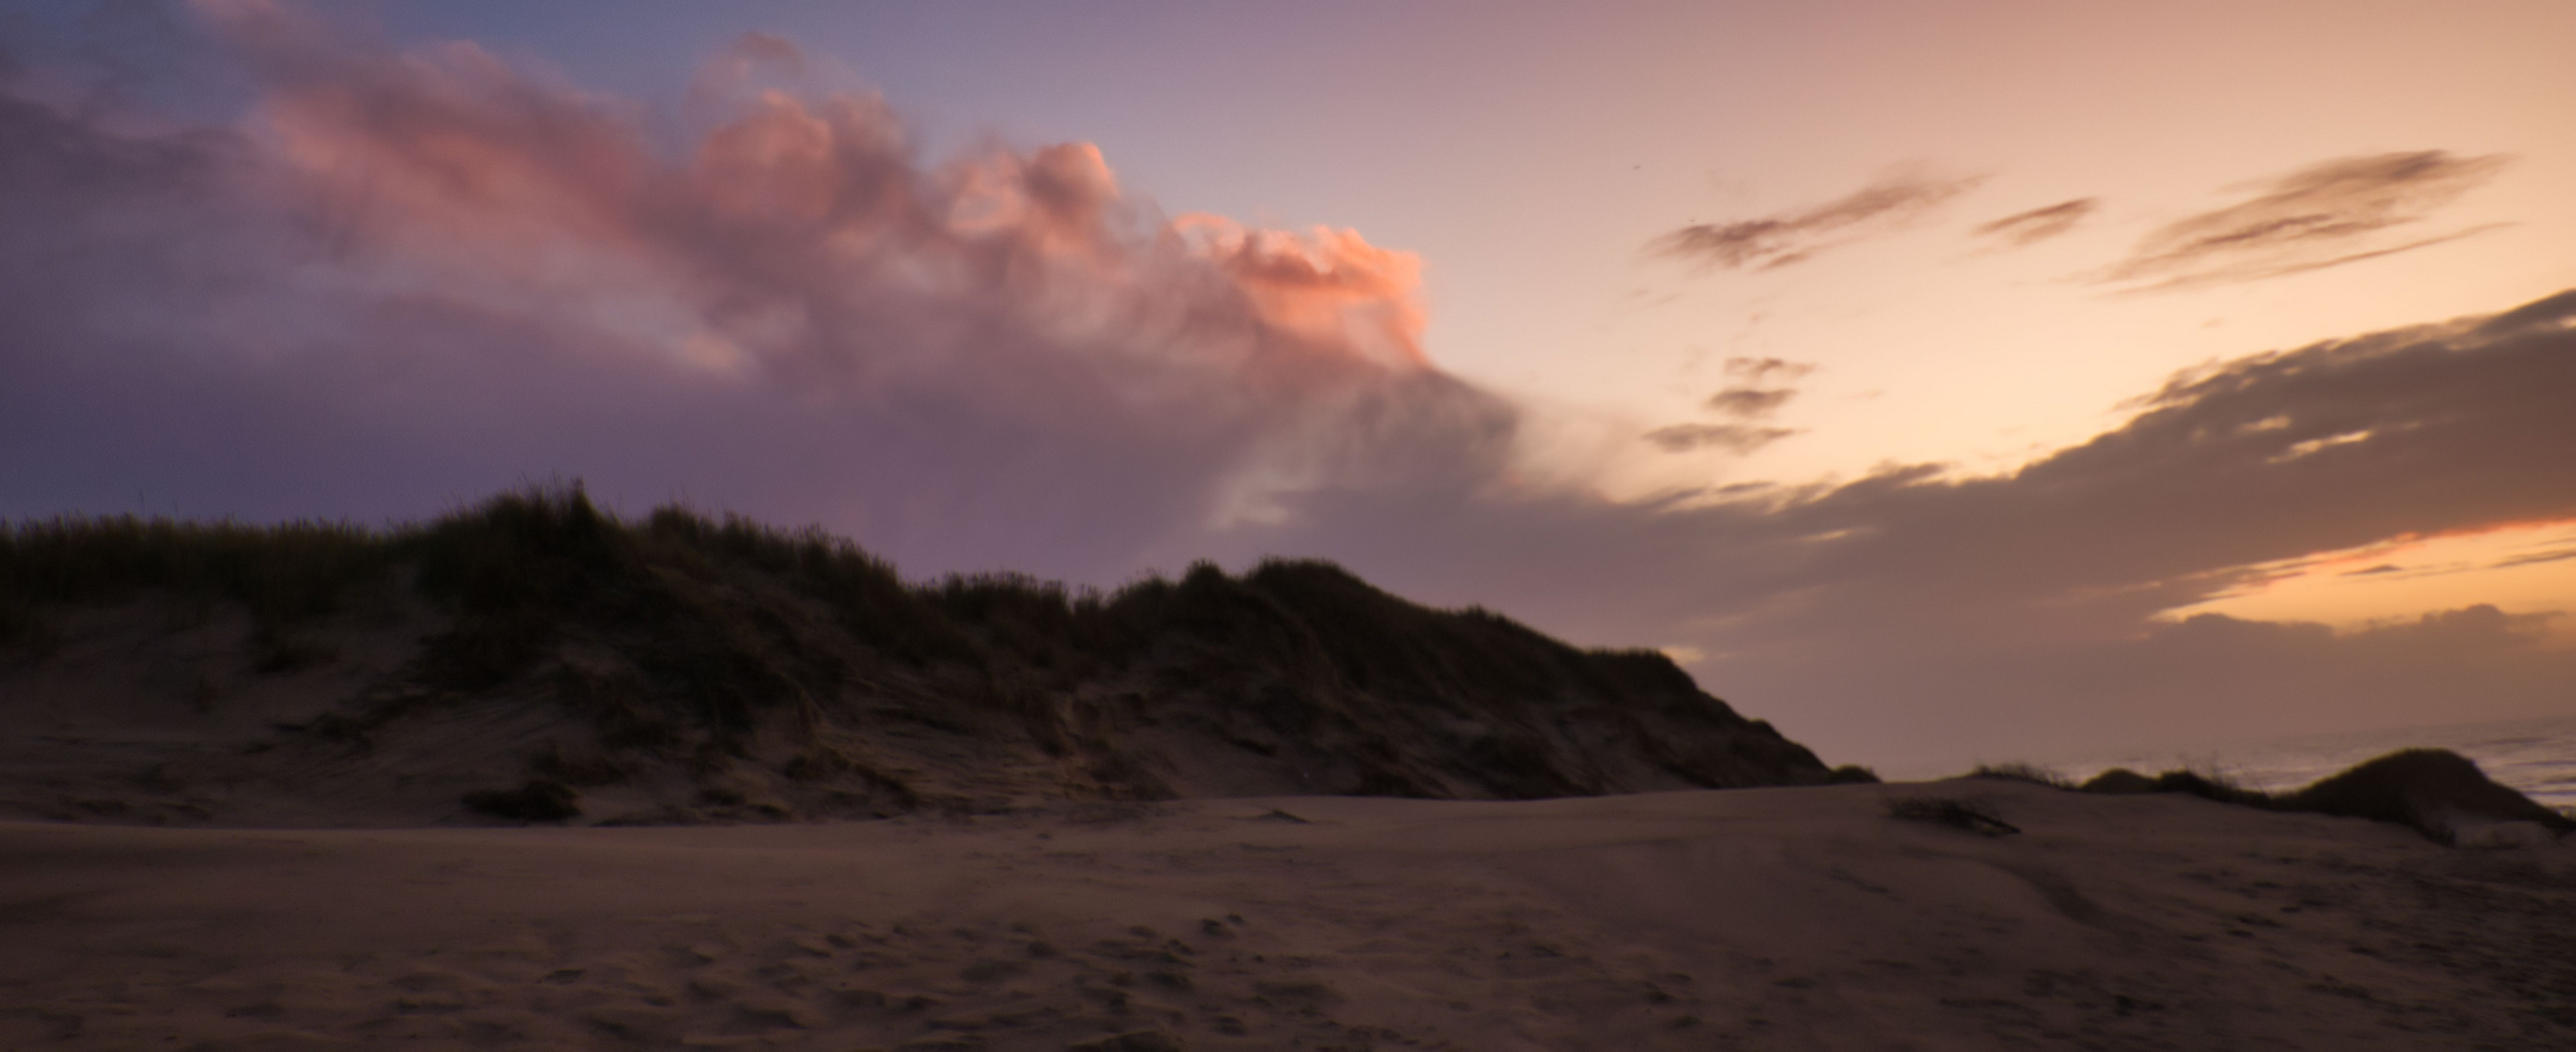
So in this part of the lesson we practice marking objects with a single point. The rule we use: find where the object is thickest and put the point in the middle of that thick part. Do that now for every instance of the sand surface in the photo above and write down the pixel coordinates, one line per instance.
(1766, 918)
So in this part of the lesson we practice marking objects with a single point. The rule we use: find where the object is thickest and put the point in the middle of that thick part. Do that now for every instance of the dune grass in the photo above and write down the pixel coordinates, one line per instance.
(283, 574)
(517, 568)
(715, 624)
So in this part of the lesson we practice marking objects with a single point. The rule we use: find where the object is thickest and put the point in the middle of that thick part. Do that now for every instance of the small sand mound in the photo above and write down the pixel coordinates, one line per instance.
(2120, 781)
(2437, 791)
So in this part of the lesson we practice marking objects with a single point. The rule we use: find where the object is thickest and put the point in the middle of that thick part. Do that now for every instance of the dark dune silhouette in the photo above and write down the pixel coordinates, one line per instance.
(2434, 790)
(535, 659)
(2437, 792)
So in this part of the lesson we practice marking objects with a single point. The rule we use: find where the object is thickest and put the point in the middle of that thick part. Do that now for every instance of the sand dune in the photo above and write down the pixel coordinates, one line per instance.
(1802, 918)
(536, 658)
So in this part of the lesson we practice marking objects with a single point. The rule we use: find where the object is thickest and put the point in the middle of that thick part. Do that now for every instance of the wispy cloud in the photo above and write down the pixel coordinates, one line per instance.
(1758, 370)
(2536, 558)
(1745, 400)
(1779, 240)
(2039, 224)
(2326, 215)
(1751, 403)
(1734, 438)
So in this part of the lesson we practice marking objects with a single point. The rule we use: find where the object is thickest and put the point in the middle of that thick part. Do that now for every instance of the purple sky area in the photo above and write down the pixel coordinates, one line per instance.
(374, 266)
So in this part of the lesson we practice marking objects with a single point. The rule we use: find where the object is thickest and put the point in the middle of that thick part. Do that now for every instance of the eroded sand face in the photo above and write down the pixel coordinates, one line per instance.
(1789, 918)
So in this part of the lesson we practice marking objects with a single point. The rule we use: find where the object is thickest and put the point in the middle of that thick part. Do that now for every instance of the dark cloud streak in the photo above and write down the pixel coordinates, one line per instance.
(1744, 401)
(1750, 403)
(2039, 224)
(1734, 438)
(1756, 370)
(1780, 240)
(2326, 215)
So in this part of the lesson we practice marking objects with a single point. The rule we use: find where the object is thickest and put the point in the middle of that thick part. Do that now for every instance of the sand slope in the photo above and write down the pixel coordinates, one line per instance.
(1760, 918)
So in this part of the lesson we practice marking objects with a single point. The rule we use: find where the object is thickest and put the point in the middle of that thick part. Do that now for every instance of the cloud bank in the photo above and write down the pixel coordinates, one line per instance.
(1917, 613)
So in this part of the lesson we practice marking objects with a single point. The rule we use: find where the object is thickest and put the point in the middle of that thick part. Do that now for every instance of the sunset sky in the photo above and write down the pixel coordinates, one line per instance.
(1943, 381)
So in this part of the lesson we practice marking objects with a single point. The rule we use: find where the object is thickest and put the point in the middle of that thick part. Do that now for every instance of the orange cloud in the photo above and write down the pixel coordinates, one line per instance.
(1330, 286)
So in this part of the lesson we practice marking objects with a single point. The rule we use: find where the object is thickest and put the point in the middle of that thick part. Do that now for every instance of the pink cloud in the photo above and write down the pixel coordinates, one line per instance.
(922, 351)
(796, 217)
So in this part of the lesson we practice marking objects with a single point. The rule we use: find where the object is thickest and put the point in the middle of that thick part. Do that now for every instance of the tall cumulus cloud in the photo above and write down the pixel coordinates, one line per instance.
(429, 272)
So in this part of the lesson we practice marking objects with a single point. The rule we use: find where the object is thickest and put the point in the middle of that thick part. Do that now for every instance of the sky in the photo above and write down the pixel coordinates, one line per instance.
(1944, 382)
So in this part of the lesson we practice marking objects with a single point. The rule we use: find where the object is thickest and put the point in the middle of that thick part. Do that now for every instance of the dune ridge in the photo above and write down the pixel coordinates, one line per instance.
(537, 659)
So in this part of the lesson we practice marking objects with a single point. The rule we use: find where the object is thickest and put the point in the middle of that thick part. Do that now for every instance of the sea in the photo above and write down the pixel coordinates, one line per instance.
(2536, 756)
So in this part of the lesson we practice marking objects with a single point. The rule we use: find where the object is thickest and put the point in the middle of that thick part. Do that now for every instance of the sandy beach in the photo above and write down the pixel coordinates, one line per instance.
(1799, 918)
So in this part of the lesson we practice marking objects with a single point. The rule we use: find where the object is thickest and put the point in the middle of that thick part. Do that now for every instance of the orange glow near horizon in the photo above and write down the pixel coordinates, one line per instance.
(2520, 568)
